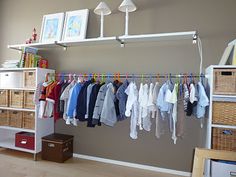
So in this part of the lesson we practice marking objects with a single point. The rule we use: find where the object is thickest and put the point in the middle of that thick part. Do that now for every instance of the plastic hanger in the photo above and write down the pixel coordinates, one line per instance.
(142, 78)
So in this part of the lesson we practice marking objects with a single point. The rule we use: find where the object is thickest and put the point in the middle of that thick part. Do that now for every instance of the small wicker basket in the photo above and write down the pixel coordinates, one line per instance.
(29, 79)
(15, 119)
(4, 118)
(224, 113)
(224, 139)
(16, 99)
(28, 100)
(4, 97)
(29, 120)
(224, 81)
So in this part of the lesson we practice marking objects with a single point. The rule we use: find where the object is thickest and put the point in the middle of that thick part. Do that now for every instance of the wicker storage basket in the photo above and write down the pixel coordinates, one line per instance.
(4, 119)
(16, 99)
(28, 120)
(29, 79)
(224, 81)
(15, 119)
(224, 113)
(28, 99)
(4, 97)
(224, 139)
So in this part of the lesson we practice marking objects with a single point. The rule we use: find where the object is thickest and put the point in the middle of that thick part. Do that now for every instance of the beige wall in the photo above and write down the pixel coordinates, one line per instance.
(213, 19)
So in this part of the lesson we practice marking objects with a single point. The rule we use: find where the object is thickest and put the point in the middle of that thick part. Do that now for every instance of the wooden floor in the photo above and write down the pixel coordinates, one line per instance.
(18, 164)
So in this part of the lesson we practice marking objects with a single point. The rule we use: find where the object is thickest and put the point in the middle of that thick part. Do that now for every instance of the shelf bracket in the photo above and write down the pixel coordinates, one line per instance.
(61, 45)
(122, 44)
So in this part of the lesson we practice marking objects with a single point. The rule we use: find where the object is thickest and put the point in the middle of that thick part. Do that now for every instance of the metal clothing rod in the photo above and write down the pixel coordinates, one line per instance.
(131, 75)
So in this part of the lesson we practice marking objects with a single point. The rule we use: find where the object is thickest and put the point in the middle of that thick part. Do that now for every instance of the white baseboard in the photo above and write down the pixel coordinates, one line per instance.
(133, 165)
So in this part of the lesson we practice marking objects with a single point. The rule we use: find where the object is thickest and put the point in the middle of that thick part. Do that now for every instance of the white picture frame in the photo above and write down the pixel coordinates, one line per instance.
(75, 26)
(52, 26)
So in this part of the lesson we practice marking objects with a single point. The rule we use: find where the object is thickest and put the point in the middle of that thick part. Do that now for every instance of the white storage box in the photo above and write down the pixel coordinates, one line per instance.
(222, 169)
(11, 79)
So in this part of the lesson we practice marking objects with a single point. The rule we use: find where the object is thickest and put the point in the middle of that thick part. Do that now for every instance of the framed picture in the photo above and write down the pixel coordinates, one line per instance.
(75, 26)
(52, 26)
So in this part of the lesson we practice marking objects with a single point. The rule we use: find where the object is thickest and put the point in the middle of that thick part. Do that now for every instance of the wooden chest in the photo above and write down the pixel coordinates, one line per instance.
(57, 147)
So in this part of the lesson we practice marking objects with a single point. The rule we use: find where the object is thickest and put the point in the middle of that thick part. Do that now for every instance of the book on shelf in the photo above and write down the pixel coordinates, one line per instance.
(30, 58)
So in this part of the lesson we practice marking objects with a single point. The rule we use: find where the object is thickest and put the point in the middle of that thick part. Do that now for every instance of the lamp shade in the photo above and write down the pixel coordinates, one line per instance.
(127, 4)
(102, 8)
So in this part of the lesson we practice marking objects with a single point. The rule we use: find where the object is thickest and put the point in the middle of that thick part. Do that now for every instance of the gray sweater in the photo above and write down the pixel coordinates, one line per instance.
(99, 104)
(108, 115)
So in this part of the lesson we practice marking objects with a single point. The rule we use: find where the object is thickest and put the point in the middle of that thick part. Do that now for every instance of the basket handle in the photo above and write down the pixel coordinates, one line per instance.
(226, 73)
(227, 132)
(23, 141)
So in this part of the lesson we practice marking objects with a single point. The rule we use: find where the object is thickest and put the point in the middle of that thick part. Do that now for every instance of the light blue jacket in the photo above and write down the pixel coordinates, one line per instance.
(72, 103)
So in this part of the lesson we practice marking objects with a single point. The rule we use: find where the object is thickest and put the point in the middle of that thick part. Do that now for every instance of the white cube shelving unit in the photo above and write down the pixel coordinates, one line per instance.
(42, 128)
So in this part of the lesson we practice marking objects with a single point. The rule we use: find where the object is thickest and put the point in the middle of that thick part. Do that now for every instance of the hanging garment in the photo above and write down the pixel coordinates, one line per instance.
(156, 112)
(37, 93)
(89, 90)
(151, 104)
(164, 107)
(186, 97)
(168, 97)
(53, 101)
(122, 97)
(81, 107)
(140, 96)
(72, 100)
(44, 110)
(108, 115)
(99, 105)
(192, 100)
(203, 101)
(62, 102)
(116, 85)
(132, 108)
(92, 101)
(181, 114)
(65, 97)
(145, 113)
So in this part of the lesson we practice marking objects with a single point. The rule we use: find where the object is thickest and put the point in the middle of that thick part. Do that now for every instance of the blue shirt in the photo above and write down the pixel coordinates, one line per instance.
(203, 101)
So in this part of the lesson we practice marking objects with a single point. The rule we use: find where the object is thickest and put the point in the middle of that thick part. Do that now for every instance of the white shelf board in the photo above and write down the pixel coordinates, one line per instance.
(229, 98)
(17, 129)
(10, 143)
(91, 42)
(34, 45)
(17, 69)
(223, 66)
(158, 37)
(110, 40)
(223, 126)
(25, 89)
(17, 109)
(232, 42)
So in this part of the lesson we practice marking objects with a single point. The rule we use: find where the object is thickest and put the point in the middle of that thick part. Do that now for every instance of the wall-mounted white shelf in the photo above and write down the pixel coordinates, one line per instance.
(91, 42)
(24, 89)
(232, 42)
(158, 37)
(17, 69)
(39, 46)
(111, 40)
